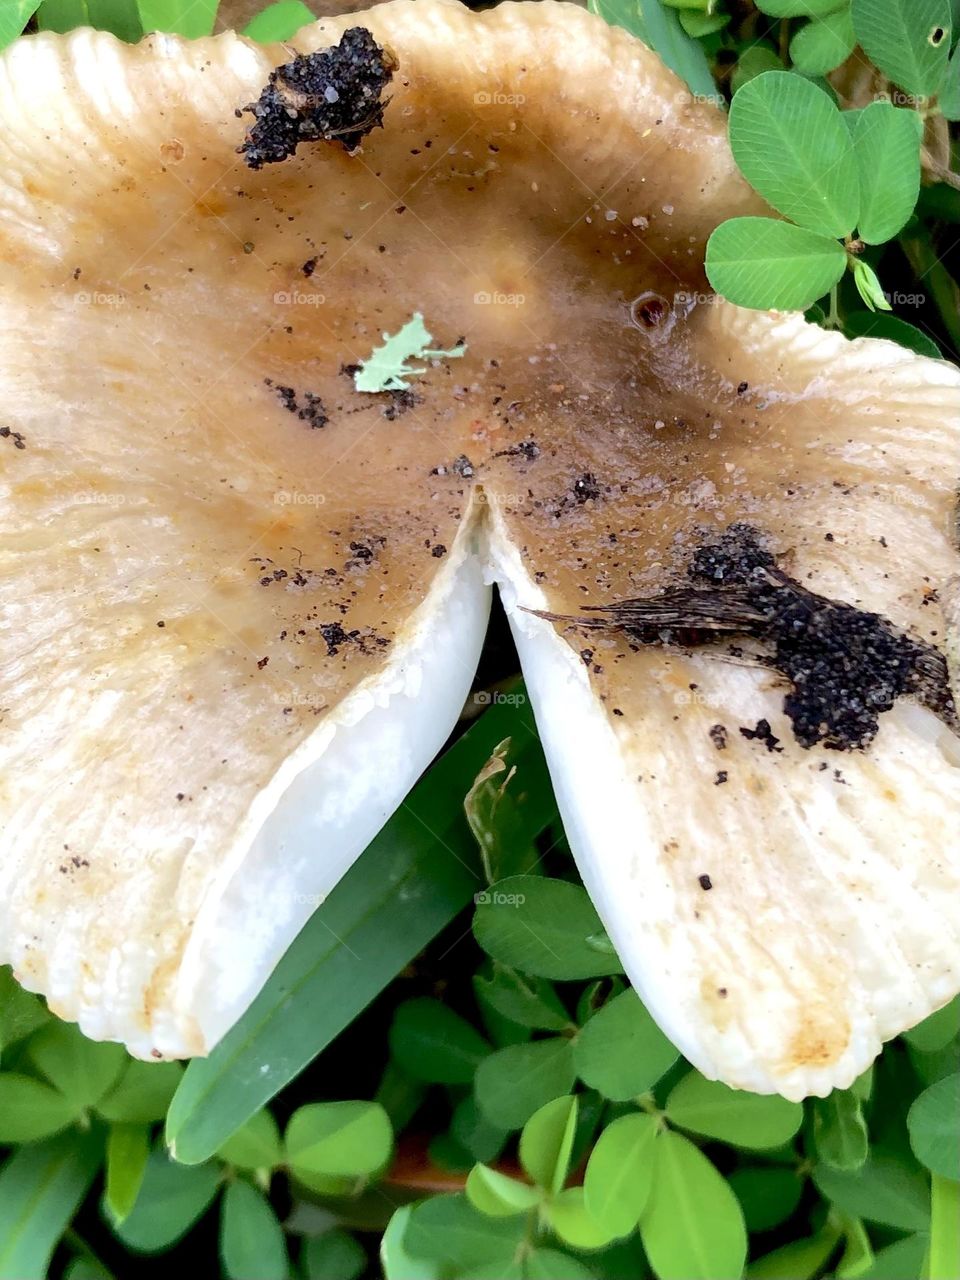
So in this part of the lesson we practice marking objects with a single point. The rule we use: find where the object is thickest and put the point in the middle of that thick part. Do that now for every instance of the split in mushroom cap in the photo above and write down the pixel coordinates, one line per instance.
(233, 636)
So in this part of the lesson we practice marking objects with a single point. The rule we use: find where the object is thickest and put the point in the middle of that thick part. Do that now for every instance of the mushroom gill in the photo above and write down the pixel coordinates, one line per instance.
(243, 601)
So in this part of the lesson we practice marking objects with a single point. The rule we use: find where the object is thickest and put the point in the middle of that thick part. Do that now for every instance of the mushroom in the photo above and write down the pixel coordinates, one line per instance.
(243, 600)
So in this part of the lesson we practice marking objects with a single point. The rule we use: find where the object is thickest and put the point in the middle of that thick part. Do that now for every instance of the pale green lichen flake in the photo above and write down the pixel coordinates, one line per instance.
(387, 367)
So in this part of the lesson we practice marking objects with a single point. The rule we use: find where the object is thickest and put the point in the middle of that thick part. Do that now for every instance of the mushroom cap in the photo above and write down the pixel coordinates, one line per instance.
(172, 805)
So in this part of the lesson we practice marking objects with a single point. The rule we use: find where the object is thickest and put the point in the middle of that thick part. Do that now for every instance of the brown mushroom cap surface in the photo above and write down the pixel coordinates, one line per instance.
(233, 635)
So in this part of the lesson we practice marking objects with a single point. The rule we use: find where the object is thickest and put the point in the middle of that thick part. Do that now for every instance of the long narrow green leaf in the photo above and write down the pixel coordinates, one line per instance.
(415, 877)
(14, 16)
(945, 1230)
(191, 18)
(41, 1186)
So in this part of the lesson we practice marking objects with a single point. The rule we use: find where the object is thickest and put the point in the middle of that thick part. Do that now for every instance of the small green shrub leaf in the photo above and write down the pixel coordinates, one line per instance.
(543, 927)
(570, 1218)
(884, 1190)
(474, 1132)
(121, 17)
(769, 265)
(886, 143)
(798, 1260)
(142, 1093)
(551, 1264)
(21, 1013)
(793, 147)
(30, 1109)
(335, 1255)
(934, 1126)
(619, 1174)
(909, 40)
(768, 1196)
(839, 1130)
(621, 1052)
(172, 1197)
(254, 1146)
(547, 1141)
(338, 1140)
(714, 1110)
(41, 1187)
(530, 1002)
(434, 1044)
(513, 1083)
(14, 16)
(252, 1243)
(191, 18)
(753, 61)
(448, 1231)
(944, 1228)
(128, 1148)
(799, 8)
(940, 1028)
(498, 1196)
(82, 1070)
(692, 1227)
(397, 1262)
(823, 44)
(879, 324)
(278, 21)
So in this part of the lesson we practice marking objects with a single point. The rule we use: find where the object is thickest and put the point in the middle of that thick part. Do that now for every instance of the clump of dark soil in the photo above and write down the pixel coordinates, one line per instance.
(845, 666)
(334, 95)
(308, 407)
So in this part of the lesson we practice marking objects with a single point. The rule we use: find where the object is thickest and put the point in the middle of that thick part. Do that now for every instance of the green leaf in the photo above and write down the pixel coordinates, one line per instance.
(823, 44)
(901, 1261)
(397, 1262)
(900, 36)
(191, 18)
(944, 1229)
(498, 1196)
(799, 8)
(550, 1264)
(948, 98)
(278, 21)
(335, 1255)
(714, 1110)
(20, 1012)
(119, 16)
(661, 30)
(839, 1130)
(883, 1190)
(542, 926)
(142, 1093)
(493, 808)
(511, 1084)
(753, 61)
(128, 1148)
(172, 1197)
(799, 1260)
(434, 1044)
(934, 1125)
(619, 1175)
(886, 143)
(857, 1254)
(387, 368)
(41, 1188)
(82, 1070)
(620, 13)
(449, 1231)
(547, 1142)
(941, 1027)
(338, 1140)
(568, 1215)
(474, 1132)
(256, 1145)
(530, 1002)
(699, 25)
(692, 1228)
(793, 147)
(380, 912)
(252, 1244)
(621, 1052)
(30, 1109)
(768, 1196)
(769, 265)
(878, 324)
(14, 16)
